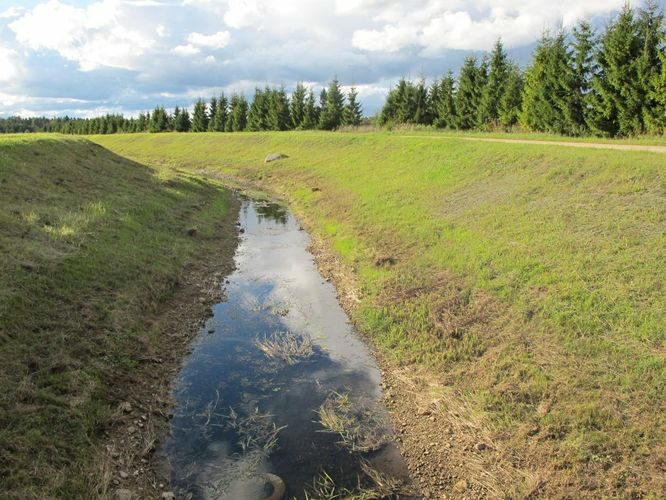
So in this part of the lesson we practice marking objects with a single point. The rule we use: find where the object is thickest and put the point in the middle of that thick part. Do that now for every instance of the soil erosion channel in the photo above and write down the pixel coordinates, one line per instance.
(279, 390)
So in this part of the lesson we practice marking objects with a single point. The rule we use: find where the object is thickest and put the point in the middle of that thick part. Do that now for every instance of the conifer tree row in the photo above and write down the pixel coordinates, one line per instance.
(579, 83)
(270, 109)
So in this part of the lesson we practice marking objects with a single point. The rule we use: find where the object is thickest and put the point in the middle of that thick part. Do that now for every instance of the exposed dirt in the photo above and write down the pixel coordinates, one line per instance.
(143, 398)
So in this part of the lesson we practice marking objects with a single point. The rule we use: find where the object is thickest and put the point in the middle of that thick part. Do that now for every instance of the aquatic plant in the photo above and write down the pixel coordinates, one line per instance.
(359, 426)
(287, 346)
(372, 485)
(255, 431)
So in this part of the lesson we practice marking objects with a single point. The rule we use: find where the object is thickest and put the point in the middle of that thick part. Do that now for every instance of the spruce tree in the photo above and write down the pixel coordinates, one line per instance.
(584, 47)
(278, 110)
(434, 94)
(158, 121)
(445, 106)
(142, 123)
(389, 113)
(494, 88)
(658, 92)
(182, 121)
(199, 117)
(617, 92)
(297, 106)
(257, 118)
(219, 119)
(650, 33)
(405, 101)
(212, 111)
(353, 114)
(176, 114)
(470, 85)
(323, 102)
(331, 115)
(421, 115)
(311, 118)
(511, 101)
(548, 96)
(238, 113)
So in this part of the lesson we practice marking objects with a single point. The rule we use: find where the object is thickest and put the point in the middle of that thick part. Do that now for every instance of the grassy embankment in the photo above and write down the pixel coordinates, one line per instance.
(91, 245)
(528, 280)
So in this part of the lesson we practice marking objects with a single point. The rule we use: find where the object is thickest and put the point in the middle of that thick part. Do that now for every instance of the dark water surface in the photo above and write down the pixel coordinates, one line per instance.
(232, 398)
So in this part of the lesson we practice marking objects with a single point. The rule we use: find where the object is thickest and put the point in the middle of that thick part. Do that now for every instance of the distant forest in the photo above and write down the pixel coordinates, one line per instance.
(609, 84)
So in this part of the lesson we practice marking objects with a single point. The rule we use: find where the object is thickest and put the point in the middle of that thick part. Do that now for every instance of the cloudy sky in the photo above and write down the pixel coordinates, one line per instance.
(84, 58)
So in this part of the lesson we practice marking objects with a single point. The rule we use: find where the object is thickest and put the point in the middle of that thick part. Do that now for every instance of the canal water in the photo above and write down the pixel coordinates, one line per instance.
(273, 372)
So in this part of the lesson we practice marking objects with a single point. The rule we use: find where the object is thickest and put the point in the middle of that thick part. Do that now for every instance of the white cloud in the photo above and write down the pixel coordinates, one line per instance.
(11, 12)
(388, 39)
(94, 37)
(186, 50)
(436, 25)
(9, 68)
(217, 40)
(242, 13)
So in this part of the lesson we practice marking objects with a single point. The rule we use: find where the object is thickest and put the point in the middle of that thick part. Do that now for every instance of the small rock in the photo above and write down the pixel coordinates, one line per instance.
(168, 495)
(125, 407)
(123, 494)
(123, 474)
(241, 230)
(29, 266)
(383, 260)
(273, 157)
(461, 486)
(131, 429)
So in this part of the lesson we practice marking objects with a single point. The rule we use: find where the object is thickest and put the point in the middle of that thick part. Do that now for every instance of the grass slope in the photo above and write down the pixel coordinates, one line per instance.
(91, 245)
(528, 280)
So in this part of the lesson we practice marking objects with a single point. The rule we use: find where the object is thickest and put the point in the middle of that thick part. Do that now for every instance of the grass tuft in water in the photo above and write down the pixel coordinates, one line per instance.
(255, 431)
(372, 485)
(287, 346)
(359, 427)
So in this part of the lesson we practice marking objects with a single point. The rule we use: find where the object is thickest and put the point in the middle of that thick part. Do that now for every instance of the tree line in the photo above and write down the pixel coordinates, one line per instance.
(270, 109)
(578, 83)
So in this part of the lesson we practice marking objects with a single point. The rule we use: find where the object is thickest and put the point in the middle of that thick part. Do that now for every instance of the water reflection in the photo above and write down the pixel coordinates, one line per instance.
(241, 413)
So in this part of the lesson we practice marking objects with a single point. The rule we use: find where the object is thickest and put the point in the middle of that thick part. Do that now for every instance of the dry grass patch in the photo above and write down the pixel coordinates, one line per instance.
(289, 347)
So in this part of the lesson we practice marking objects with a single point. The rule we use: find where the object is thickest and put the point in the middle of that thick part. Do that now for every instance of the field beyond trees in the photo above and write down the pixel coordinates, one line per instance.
(526, 281)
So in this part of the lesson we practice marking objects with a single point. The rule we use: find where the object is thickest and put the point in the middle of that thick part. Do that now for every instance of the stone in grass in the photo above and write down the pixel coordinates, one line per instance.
(124, 494)
(274, 156)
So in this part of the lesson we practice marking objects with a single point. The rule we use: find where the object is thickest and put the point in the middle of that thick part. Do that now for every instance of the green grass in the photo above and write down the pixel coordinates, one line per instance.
(528, 278)
(92, 244)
